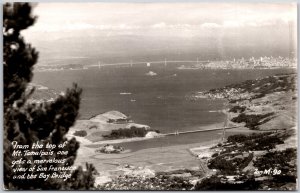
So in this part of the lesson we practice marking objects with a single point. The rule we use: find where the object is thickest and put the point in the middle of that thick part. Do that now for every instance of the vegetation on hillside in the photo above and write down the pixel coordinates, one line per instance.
(220, 182)
(129, 132)
(255, 141)
(237, 109)
(80, 133)
(237, 153)
(158, 182)
(285, 161)
(252, 121)
(263, 86)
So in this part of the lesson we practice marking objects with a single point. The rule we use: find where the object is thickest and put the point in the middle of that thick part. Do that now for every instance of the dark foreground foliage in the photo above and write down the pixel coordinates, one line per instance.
(220, 183)
(28, 123)
(285, 161)
(159, 182)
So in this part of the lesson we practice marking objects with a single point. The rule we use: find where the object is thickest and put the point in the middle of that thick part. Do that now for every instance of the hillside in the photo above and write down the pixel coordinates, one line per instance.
(263, 104)
(108, 126)
(266, 159)
(263, 160)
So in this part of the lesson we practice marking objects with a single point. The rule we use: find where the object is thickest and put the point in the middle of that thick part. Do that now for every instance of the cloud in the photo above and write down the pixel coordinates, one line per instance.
(182, 19)
(163, 25)
(232, 24)
(283, 21)
(118, 27)
(159, 25)
(79, 26)
(52, 27)
(210, 25)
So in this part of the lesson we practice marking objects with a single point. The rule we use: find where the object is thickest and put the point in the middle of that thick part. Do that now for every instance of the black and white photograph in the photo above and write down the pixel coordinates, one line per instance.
(149, 95)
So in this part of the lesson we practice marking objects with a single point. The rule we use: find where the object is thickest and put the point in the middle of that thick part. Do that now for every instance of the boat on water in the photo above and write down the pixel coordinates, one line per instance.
(125, 93)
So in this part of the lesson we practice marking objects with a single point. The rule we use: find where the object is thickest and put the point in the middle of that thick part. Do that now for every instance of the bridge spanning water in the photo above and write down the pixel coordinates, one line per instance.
(148, 63)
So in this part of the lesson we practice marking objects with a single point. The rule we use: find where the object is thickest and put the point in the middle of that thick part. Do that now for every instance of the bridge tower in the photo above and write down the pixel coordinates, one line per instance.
(224, 128)
(223, 134)
(99, 64)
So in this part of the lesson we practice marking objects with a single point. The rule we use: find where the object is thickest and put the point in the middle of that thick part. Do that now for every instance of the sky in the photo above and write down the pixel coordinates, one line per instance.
(225, 22)
(64, 17)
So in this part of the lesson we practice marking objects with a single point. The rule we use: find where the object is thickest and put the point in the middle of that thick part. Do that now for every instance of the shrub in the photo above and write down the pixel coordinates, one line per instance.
(215, 155)
(159, 182)
(128, 133)
(237, 109)
(278, 159)
(252, 121)
(219, 183)
(80, 133)
(226, 167)
(239, 138)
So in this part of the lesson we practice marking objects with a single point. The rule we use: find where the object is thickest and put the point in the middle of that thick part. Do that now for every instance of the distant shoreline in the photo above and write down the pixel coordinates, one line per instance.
(179, 68)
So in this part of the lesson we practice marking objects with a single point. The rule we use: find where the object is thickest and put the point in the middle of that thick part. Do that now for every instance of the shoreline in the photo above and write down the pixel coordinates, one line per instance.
(206, 129)
(87, 142)
(157, 159)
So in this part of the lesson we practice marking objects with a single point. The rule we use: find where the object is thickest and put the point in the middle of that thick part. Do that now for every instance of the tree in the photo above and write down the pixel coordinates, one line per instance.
(27, 123)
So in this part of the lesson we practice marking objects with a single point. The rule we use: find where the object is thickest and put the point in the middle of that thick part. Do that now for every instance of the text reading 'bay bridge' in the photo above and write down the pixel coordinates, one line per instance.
(148, 63)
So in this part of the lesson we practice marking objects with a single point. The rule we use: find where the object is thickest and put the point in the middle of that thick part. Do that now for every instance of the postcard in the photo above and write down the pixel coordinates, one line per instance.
(150, 96)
